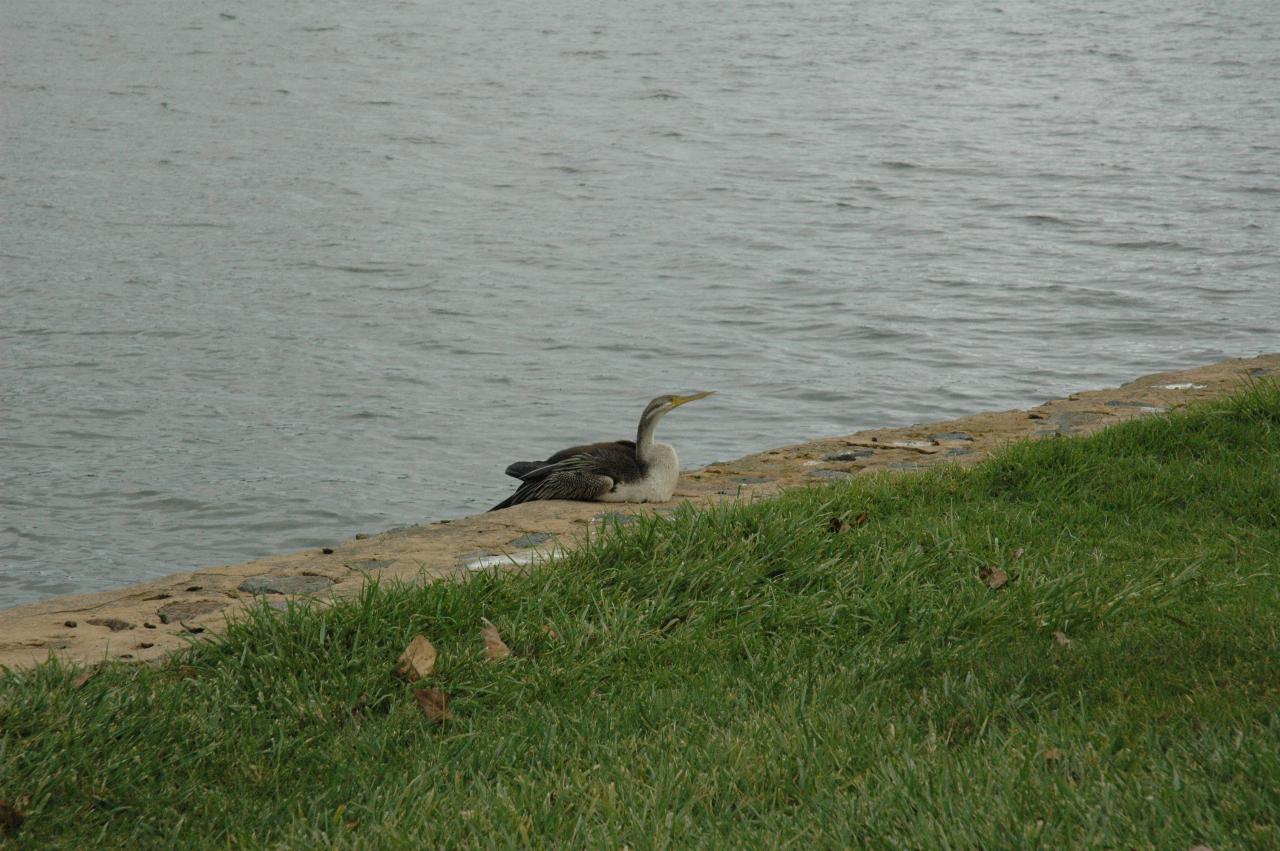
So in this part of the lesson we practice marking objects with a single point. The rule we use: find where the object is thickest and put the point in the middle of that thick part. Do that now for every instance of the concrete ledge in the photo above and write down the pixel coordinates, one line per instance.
(144, 622)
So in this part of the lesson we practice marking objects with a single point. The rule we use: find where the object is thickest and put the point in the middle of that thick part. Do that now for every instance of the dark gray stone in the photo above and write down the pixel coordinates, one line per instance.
(851, 455)
(831, 474)
(951, 435)
(956, 450)
(113, 624)
(531, 540)
(905, 465)
(268, 584)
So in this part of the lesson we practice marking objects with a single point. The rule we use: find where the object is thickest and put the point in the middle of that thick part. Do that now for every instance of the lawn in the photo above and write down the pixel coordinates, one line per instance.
(1073, 644)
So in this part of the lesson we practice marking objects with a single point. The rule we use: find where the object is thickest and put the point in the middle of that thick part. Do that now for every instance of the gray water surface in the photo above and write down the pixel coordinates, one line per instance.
(275, 273)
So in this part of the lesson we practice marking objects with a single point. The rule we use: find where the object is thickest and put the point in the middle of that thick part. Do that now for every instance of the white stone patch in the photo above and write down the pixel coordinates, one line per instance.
(1187, 386)
(504, 560)
(912, 444)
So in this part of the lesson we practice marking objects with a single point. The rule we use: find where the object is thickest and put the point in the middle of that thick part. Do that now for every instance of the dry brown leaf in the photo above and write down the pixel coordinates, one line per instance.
(84, 678)
(418, 659)
(550, 632)
(994, 577)
(10, 818)
(862, 518)
(1053, 754)
(1061, 638)
(493, 643)
(1017, 554)
(434, 704)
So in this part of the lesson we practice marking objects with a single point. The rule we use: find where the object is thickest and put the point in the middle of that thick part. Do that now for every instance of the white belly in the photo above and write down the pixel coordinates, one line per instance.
(657, 486)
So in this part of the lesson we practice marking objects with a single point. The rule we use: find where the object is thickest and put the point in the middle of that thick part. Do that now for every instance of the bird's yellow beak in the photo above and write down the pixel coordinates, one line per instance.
(682, 400)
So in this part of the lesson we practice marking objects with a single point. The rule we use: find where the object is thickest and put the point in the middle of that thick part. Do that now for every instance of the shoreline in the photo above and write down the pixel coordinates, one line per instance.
(147, 621)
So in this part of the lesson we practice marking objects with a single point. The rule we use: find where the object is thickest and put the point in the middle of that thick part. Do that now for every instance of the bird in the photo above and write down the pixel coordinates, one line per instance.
(619, 471)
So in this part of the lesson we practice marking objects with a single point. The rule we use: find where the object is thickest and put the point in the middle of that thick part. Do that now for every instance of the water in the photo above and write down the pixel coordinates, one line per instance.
(274, 274)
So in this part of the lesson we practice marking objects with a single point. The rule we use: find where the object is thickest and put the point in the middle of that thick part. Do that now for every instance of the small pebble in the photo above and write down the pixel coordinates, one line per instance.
(327, 551)
(360, 536)
(144, 645)
(149, 626)
(195, 587)
(71, 624)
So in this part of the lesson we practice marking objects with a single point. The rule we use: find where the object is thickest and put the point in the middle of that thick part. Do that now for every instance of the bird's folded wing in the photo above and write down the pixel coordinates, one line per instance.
(576, 477)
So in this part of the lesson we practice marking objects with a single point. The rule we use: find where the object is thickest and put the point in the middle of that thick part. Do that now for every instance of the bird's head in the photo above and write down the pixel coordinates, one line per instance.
(665, 404)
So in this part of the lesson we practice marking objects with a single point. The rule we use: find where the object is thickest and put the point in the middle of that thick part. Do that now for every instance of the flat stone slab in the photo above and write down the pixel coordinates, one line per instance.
(1134, 403)
(1073, 422)
(268, 584)
(950, 435)
(831, 474)
(188, 610)
(531, 540)
(616, 517)
(850, 455)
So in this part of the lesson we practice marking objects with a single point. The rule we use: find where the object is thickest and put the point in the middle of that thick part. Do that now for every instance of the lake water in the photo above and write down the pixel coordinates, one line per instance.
(272, 274)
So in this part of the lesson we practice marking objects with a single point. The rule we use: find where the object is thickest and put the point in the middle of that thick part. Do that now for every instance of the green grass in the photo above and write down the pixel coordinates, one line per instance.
(745, 677)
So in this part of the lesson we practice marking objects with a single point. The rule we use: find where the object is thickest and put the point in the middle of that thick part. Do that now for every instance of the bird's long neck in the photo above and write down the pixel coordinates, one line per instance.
(644, 439)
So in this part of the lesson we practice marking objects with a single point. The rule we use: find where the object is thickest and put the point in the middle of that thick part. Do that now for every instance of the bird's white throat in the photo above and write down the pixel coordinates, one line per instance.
(659, 481)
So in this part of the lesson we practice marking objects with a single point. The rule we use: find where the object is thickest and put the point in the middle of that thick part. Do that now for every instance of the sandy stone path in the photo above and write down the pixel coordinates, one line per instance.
(144, 622)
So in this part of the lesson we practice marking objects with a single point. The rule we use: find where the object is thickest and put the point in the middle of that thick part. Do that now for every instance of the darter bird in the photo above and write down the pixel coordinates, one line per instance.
(621, 471)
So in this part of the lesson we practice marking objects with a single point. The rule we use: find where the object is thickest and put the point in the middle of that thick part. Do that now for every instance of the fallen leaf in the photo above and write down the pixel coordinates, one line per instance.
(994, 577)
(434, 704)
(84, 678)
(836, 526)
(549, 631)
(10, 818)
(1017, 554)
(418, 659)
(1061, 638)
(493, 643)
(862, 518)
(1053, 754)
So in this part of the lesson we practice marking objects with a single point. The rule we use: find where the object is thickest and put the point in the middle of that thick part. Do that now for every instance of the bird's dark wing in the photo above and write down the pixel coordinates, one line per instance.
(576, 477)
(619, 456)
(520, 469)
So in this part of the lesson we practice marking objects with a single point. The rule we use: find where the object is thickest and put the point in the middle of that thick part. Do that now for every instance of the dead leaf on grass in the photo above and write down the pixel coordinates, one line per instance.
(434, 704)
(418, 659)
(836, 526)
(1017, 554)
(994, 577)
(862, 518)
(550, 632)
(493, 643)
(1061, 638)
(1053, 754)
(79, 681)
(10, 818)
